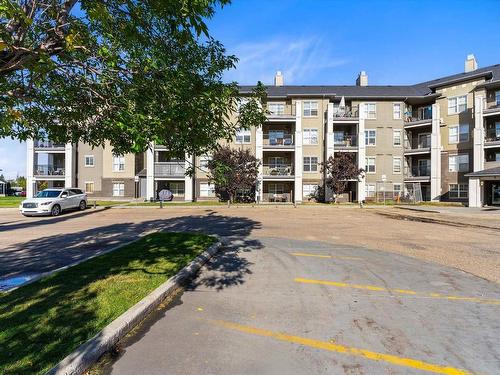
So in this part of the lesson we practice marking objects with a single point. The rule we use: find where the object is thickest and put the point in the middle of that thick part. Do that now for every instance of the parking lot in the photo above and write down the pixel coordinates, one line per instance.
(317, 290)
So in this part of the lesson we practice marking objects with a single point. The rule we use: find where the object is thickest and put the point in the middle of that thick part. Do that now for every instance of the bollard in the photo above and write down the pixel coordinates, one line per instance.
(95, 205)
(161, 204)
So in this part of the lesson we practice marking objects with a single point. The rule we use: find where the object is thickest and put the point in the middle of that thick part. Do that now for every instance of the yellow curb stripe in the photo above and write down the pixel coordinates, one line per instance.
(325, 256)
(400, 291)
(395, 360)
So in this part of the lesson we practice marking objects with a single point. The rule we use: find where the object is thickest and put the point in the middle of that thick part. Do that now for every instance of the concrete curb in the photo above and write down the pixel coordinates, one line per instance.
(88, 353)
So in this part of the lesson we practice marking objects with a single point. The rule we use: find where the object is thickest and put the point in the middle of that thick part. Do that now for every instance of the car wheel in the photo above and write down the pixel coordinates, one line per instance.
(56, 210)
(82, 206)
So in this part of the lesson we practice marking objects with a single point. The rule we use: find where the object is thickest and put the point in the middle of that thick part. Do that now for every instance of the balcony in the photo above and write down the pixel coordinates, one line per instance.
(421, 145)
(48, 170)
(280, 112)
(417, 173)
(278, 140)
(491, 108)
(278, 171)
(346, 114)
(345, 141)
(492, 138)
(170, 169)
(48, 145)
(419, 117)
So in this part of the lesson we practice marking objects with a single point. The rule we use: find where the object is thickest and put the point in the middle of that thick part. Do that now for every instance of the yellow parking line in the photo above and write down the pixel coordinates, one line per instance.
(374, 356)
(325, 256)
(400, 291)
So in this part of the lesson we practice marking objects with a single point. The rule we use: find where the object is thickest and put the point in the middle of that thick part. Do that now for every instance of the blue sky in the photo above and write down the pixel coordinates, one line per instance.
(329, 42)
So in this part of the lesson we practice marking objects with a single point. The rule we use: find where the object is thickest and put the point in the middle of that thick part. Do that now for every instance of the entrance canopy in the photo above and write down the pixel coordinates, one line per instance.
(484, 187)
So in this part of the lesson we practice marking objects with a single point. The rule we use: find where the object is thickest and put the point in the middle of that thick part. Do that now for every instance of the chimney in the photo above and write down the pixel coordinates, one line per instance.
(362, 79)
(470, 63)
(278, 79)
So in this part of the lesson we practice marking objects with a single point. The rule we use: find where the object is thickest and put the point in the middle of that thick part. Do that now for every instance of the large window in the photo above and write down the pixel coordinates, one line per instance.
(397, 163)
(243, 136)
(370, 164)
(458, 163)
(89, 187)
(310, 136)
(397, 190)
(497, 98)
(396, 111)
(276, 161)
(459, 190)
(370, 137)
(310, 109)
(276, 188)
(457, 104)
(89, 160)
(118, 163)
(204, 162)
(309, 190)
(371, 110)
(310, 164)
(118, 189)
(177, 188)
(370, 190)
(207, 190)
(397, 137)
(458, 133)
(276, 108)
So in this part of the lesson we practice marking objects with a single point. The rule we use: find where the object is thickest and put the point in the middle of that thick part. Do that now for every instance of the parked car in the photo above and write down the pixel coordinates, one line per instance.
(53, 202)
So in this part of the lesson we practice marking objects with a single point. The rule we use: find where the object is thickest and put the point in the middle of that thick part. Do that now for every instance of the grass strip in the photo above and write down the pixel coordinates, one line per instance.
(41, 323)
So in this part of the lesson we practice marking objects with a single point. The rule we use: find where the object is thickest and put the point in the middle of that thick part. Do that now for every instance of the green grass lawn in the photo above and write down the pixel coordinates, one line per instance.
(43, 322)
(165, 204)
(6, 202)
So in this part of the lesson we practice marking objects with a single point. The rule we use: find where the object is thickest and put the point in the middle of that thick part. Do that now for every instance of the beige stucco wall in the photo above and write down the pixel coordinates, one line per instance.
(90, 174)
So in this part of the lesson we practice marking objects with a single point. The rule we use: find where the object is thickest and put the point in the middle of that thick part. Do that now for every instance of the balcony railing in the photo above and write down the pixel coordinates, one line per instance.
(422, 143)
(277, 197)
(493, 136)
(170, 169)
(420, 171)
(341, 139)
(48, 144)
(346, 112)
(280, 140)
(48, 170)
(277, 170)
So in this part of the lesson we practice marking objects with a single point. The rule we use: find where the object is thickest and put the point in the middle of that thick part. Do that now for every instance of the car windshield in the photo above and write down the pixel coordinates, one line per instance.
(48, 194)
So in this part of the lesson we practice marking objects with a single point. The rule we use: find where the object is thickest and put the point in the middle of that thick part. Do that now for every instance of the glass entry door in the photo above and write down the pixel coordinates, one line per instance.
(495, 193)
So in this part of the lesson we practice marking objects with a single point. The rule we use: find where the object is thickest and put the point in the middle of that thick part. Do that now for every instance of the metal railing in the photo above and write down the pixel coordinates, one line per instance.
(492, 136)
(276, 170)
(419, 114)
(277, 197)
(420, 171)
(47, 144)
(278, 140)
(344, 140)
(48, 170)
(170, 169)
(418, 144)
(346, 112)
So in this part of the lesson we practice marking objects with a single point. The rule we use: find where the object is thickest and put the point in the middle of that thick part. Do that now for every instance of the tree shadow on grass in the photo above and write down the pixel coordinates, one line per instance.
(50, 318)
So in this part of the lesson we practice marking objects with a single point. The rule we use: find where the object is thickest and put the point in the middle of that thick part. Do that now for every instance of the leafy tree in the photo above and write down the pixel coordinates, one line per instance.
(128, 71)
(21, 182)
(339, 171)
(232, 170)
(2, 178)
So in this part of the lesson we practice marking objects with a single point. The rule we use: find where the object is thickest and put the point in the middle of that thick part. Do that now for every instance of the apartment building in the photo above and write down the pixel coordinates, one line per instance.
(433, 141)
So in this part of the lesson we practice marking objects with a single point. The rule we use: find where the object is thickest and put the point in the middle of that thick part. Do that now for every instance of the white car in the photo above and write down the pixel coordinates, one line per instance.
(53, 202)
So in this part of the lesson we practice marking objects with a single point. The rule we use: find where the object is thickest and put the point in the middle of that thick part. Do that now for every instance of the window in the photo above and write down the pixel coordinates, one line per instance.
(310, 164)
(310, 109)
(458, 133)
(207, 190)
(459, 190)
(397, 190)
(396, 137)
(310, 136)
(370, 137)
(370, 164)
(276, 188)
(370, 190)
(497, 98)
(396, 165)
(458, 163)
(276, 161)
(457, 104)
(396, 111)
(309, 190)
(118, 163)
(89, 160)
(204, 162)
(370, 110)
(243, 136)
(177, 188)
(118, 189)
(89, 187)
(276, 109)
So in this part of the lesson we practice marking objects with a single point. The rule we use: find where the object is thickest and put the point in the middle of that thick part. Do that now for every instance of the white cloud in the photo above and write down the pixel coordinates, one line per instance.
(12, 158)
(297, 60)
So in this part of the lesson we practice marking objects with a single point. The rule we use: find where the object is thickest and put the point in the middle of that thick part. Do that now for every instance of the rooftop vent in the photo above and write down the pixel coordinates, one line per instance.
(362, 79)
(470, 63)
(278, 79)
